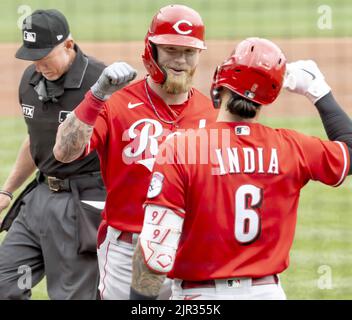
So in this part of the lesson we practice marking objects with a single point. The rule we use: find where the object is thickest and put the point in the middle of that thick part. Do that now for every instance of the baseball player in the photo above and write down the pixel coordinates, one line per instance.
(223, 229)
(128, 129)
(52, 225)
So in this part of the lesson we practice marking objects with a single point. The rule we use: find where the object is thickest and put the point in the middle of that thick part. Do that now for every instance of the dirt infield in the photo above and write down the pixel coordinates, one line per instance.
(332, 55)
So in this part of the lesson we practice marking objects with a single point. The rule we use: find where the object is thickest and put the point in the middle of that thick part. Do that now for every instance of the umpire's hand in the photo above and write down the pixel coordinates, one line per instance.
(4, 203)
(113, 78)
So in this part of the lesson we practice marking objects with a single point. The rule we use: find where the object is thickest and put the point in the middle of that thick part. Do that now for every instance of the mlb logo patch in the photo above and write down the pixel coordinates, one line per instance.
(233, 283)
(28, 111)
(242, 131)
(63, 115)
(29, 36)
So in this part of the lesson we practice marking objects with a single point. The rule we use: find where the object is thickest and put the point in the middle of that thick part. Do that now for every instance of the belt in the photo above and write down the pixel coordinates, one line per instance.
(185, 284)
(128, 237)
(56, 184)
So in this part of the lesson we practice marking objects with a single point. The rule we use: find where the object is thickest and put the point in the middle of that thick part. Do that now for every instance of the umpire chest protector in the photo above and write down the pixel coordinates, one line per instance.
(46, 104)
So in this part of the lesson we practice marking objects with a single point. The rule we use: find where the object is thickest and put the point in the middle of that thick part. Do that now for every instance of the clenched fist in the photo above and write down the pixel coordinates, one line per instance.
(305, 78)
(113, 78)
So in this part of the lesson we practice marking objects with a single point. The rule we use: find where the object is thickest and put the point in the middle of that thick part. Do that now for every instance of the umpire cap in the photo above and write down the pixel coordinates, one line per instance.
(42, 31)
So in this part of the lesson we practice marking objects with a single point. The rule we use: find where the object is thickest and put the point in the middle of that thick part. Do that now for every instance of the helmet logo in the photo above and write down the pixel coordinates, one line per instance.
(176, 26)
(254, 87)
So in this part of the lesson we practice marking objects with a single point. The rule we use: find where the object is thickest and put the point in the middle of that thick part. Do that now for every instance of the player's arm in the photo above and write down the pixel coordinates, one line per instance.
(146, 284)
(304, 77)
(156, 250)
(75, 132)
(24, 166)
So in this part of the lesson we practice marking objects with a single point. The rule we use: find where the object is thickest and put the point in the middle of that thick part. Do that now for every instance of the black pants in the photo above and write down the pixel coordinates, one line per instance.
(46, 239)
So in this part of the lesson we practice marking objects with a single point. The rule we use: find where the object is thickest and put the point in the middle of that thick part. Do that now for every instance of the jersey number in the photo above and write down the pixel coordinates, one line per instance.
(247, 219)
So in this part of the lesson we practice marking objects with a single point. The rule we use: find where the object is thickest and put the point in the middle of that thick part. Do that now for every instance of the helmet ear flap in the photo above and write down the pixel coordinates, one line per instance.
(215, 97)
(154, 51)
(150, 62)
(215, 90)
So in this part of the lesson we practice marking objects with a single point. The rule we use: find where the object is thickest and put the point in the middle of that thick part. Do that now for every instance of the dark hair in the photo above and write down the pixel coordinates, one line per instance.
(240, 106)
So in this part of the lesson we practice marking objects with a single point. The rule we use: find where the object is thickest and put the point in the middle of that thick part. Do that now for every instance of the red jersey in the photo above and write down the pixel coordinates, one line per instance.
(240, 199)
(126, 136)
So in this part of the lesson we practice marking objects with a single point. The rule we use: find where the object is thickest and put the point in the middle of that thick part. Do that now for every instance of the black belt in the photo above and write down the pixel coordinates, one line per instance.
(56, 184)
(91, 179)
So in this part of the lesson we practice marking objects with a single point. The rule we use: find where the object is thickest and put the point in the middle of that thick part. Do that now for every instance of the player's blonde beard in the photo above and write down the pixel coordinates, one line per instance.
(178, 84)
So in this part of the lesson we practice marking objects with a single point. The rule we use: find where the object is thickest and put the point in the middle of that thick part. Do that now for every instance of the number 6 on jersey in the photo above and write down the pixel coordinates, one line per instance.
(247, 221)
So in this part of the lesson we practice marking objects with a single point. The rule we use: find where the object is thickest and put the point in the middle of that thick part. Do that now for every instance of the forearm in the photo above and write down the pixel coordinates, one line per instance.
(337, 124)
(24, 166)
(71, 138)
(144, 281)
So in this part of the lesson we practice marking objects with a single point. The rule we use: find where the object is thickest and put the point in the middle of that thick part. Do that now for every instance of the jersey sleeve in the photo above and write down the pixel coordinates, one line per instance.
(326, 161)
(100, 133)
(167, 186)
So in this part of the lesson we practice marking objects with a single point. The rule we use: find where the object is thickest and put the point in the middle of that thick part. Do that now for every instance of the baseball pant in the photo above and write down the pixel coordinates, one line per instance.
(115, 266)
(229, 289)
(43, 240)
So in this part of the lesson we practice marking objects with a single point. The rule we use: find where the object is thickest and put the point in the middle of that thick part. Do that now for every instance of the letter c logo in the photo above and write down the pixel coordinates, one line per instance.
(176, 26)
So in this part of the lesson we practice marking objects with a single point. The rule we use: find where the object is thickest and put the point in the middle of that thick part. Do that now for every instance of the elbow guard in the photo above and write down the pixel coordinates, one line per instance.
(160, 237)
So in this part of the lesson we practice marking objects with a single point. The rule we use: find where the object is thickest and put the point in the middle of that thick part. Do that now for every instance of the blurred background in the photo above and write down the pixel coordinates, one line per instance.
(114, 30)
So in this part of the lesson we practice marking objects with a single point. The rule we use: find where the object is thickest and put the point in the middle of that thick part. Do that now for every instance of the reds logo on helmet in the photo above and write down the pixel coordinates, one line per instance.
(176, 25)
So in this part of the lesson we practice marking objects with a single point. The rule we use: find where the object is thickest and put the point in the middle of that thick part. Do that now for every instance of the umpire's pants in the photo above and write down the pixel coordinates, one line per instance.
(43, 240)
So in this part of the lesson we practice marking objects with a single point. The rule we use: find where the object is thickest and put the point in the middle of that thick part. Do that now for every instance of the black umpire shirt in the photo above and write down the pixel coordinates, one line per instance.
(44, 110)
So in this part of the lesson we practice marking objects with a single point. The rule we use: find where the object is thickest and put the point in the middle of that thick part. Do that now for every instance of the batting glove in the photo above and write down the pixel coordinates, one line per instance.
(304, 77)
(113, 78)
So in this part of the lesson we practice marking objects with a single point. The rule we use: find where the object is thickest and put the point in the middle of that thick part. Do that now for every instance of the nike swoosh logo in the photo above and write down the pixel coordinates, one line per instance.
(309, 73)
(133, 105)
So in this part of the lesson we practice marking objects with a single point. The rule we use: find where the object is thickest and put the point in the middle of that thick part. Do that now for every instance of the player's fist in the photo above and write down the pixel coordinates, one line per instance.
(305, 78)
(113, 78)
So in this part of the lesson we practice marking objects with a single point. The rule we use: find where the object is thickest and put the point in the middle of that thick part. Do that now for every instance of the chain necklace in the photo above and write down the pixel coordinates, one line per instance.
(155, 111)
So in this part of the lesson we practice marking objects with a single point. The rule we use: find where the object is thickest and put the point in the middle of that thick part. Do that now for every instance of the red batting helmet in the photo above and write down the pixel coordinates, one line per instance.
(173, 25)
(255, 70)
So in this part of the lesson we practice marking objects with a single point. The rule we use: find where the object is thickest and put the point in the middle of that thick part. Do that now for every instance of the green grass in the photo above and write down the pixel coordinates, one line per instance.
(324, 227)
(113, 20)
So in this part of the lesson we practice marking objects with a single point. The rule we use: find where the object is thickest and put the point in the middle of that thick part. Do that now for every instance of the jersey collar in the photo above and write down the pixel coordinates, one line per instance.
(74, 76)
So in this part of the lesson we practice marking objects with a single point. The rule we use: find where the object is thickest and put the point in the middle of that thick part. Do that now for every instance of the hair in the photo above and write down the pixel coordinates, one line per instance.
(240, 106)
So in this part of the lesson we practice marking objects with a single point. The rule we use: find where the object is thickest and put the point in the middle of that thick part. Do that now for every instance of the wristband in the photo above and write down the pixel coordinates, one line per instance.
(7, 193)
(135, 295)
(89, 108)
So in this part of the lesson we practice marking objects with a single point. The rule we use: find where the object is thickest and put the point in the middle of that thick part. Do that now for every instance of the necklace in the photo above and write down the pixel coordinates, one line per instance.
(155, 111)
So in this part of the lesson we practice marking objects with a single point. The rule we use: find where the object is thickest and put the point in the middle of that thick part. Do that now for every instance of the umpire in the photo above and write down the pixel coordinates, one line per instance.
(52, 225)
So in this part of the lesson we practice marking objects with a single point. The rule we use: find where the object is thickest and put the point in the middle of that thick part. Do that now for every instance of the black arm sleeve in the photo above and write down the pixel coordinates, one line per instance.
(337, 124)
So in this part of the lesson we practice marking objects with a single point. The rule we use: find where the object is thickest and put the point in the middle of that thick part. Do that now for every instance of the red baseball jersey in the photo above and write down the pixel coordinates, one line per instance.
(237, 185)
(127, 135)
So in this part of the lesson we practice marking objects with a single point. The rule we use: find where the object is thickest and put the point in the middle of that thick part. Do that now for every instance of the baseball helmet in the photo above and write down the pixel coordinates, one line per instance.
(255, 71)
(173, 25)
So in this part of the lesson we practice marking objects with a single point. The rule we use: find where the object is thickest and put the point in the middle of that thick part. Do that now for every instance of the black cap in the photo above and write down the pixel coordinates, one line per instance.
(42, 31)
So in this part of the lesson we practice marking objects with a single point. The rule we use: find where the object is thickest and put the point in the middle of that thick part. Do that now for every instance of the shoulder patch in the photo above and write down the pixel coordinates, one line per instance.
(28, 111)
(156, 185)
